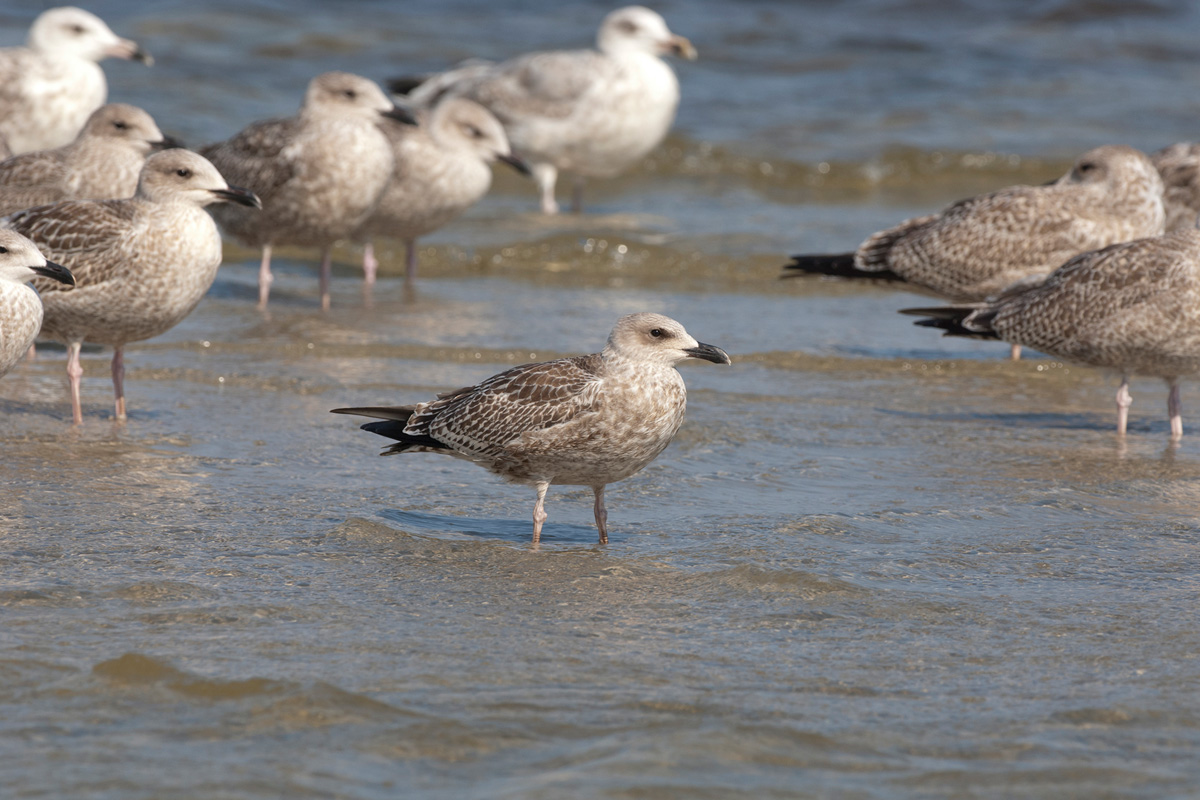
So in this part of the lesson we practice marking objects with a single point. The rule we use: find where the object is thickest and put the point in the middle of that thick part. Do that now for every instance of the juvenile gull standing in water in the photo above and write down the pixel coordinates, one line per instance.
(102, 163)
(49, 87)
(1132, 307)
(583, 421)
(20, 306)
(319, 174)
(590, 112)
(977, 247)
(141, 264)
(443, 167)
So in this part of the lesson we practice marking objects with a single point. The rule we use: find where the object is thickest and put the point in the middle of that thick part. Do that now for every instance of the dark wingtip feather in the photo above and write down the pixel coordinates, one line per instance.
(405, 83)
(952, 321)
(837, 265)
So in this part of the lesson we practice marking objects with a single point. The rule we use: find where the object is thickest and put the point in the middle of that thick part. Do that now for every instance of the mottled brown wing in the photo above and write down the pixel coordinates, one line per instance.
(82, 235)
(19, 198)
(255, 158)
(482, 419)
(32, 169)
(546, 84)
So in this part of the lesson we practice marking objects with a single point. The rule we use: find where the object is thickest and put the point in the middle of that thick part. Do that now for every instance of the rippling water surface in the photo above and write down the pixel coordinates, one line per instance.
(875, 563)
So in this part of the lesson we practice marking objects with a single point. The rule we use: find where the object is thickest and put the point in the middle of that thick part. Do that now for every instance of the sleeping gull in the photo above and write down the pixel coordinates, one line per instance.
(590, 112)
(20, 306)
(49, 87)
(141, 264)
(319, 174)
(443, 167)
(977, 247)
(583, 421)
(1132, 307)
(102, 163)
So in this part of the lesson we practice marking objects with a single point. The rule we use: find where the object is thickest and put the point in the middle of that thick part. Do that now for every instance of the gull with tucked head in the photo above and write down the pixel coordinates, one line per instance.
(584, 421)
(53, 83)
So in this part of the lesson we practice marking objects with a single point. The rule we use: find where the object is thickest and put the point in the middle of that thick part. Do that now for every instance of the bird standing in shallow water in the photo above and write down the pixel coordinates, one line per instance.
(20, 306)
(583, 421)
(594, 113)
(141, 264)
(1132, 307)
(319, 174)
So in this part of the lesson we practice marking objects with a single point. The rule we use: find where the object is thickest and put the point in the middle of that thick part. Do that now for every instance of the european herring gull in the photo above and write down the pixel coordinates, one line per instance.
(1133, 307)
(1179, 166)
(102, 163)
(590, 112)
(141, 264)
(319, 174)
(443, 167)
(20, 306)
(49, 87)
(977, 247)
(585, 421)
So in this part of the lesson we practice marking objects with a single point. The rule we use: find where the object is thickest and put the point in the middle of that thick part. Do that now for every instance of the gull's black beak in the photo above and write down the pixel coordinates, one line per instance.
(400, 114)
(518, 164)
(708, 352)
(56, 271)
(166, 143)
(236, 194)
(141, 55)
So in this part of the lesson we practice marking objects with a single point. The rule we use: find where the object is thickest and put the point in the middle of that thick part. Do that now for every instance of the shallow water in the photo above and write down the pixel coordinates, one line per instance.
(875, 562)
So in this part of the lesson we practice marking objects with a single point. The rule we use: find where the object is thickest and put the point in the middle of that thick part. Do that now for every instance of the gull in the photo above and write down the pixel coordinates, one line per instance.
(102, 163)
(1179, 166)
(588, 420)
(141, 264)
(49, 87)
(977, 247)
(590, 112)
(319, 174)
(1132, 307)
(20, 306)
(442, 168)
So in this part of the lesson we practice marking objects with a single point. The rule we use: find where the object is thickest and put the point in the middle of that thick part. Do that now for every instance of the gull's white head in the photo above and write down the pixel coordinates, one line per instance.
(1119, 169)
(637, 29)
(343, 94)
(465, 125)
(183, 176)
(654, 338)
(21, 261)
(79, 33)
(127, 123)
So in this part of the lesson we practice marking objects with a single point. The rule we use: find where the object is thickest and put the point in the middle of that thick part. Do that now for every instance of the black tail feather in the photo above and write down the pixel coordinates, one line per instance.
(838, 265)
(390, 422)
(405, 83)
(952, 321)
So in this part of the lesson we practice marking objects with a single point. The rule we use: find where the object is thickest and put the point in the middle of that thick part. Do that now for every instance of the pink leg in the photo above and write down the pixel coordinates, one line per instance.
(546, 175)
(1175, 408)
(1015, 353)
(539, 511)
(118, 376)
(410, 262)
(75, 375)
(326, 272)
(1124, 401)
(31, 353)
(264, 277)
(370, 265)
(601, 514)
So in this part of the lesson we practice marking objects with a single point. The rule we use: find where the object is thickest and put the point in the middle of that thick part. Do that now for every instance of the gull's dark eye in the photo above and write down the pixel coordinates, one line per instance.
(3, 249)
(119, 125)
(656, 333)
(183, 172)
(78, 30)
(350, 93)
(474, 132)
(625, 26)
(1087, 166)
